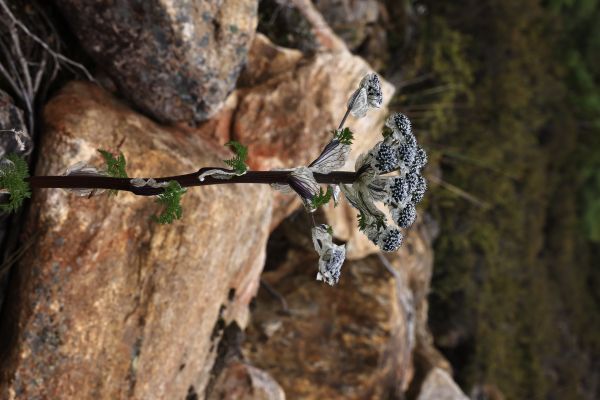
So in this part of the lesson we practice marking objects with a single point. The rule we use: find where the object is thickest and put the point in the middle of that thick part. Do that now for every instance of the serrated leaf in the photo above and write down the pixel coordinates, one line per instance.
(237, 163)
(322, 198)
(13, 171)
(171, 200)
(345, 136)
(115, 166)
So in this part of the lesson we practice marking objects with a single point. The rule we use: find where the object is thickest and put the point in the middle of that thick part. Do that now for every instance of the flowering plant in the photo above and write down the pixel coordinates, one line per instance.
(389, 173)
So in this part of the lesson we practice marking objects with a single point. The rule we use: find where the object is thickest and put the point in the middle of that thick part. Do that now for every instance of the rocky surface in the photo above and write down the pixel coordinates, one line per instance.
(241, 381)
(439, 386)
(108, 304)
(350, 19)
(176, 60)
(352, 341)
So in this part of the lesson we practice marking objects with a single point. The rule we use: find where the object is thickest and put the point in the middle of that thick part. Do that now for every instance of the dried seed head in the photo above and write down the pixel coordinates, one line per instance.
(385, 158)
(405, 217)
(419, 189)
(390, 239)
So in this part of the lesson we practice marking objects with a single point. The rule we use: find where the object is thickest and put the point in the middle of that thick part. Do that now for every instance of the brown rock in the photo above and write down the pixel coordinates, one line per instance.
(108, 304)
(241, 381)
(176, 60)
(350, 19)
(351, 341)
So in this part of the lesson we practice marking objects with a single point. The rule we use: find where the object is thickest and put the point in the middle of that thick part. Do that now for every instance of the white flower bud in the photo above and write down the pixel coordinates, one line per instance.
(331, 256)
(368, 95)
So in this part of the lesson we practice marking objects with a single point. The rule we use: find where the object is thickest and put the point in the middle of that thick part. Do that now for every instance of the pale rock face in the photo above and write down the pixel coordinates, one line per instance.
(439, 386)
(107, 304)
(177, 60)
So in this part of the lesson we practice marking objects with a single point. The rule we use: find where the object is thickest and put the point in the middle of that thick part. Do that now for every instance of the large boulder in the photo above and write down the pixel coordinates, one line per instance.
(108, 304)
(352, 341)
(177, 60)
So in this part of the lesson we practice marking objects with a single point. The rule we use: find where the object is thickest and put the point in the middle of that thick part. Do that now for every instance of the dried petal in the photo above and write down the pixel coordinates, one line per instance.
(358, 104)
(218, 173)
(331, 256)
(335, 190)
(82, 169)
(374, 95)
(303, 182)
(333, 157)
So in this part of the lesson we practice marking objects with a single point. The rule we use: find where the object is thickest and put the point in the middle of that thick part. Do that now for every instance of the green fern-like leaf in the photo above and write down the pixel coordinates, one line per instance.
(345, 136)
(13, 172)
(322, 198)
(238, 163)
(362, 224)
(115, 167)
(171, 200)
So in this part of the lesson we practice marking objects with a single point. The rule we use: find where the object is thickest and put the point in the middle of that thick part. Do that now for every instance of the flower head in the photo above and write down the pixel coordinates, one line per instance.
(419, 189)
(368, 95)
(405, 216)
(333, 157)
(399, 124)
(390, 239)
(398, 190)
(331, 256)
(385, 158)
(420, 159)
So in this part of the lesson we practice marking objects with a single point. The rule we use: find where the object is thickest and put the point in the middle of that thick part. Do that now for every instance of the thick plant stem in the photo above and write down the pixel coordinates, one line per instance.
(188, 180)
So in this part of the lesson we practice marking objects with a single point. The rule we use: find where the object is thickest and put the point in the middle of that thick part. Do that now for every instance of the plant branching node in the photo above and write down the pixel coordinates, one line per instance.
(345, 136)
(171, 200)
(238, 163)
(322, 198)
(13, 171)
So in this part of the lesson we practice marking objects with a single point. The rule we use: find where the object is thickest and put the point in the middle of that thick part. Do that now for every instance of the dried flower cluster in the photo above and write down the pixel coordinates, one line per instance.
(389, 173)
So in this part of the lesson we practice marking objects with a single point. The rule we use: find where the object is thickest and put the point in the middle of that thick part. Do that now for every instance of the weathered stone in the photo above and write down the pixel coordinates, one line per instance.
(107, 304)
(350, 19)
(351, 341)
(11, 119)
(241, 381)
(177, 60)
(439, 386)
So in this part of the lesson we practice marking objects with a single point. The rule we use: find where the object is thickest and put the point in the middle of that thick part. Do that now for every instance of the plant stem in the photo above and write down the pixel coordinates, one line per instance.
(188, 180)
